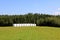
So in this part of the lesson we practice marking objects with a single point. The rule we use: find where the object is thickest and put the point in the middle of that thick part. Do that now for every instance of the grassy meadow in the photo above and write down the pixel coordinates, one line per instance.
(29, 33)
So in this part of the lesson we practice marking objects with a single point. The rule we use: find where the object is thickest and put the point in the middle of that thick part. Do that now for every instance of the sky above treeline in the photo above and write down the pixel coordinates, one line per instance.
(12, 7)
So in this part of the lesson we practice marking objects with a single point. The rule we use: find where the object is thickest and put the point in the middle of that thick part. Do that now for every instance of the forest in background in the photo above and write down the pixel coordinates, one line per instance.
(38, 19)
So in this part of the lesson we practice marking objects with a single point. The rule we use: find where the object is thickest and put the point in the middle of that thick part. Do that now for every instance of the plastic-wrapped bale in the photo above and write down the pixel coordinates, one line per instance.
(22, 25)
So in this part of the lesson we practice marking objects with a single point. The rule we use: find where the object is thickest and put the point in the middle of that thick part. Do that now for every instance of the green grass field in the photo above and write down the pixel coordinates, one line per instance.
(29, 33)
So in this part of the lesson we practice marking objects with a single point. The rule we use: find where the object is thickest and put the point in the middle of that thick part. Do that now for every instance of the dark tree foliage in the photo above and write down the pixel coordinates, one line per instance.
(39, 19)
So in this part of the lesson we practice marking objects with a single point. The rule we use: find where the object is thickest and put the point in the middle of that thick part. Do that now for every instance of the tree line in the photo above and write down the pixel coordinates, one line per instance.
(38, 19)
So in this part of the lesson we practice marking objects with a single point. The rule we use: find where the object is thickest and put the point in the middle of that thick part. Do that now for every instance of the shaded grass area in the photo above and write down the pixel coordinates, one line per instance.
(29, 33)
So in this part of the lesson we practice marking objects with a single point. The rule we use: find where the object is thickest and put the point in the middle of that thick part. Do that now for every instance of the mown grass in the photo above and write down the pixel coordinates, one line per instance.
(29, 33)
